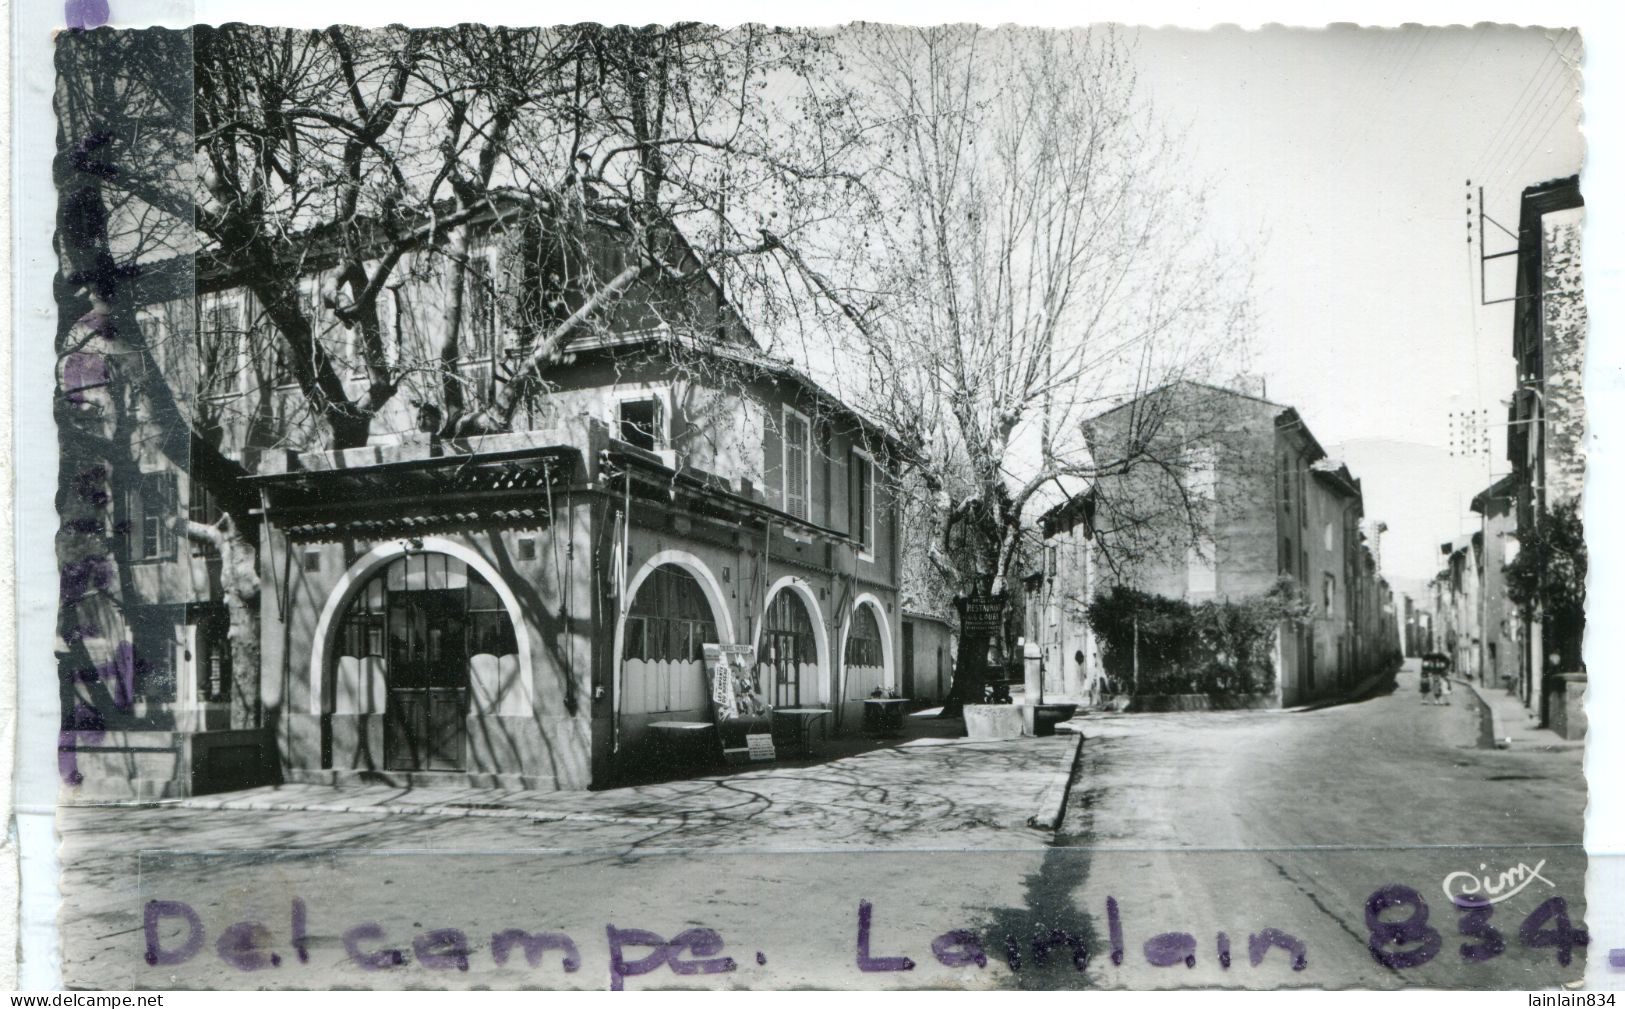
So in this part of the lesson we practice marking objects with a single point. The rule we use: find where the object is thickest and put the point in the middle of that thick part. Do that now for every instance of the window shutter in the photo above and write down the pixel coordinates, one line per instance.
(773, 462)
(136, 520)
(854, 495)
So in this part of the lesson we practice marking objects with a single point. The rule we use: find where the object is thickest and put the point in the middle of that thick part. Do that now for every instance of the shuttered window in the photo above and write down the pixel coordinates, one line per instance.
(797, 459)
(153, 507)
(863, 503)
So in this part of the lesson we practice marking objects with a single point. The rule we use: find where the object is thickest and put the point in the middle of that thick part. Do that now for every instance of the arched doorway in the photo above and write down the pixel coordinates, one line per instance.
(788, 655)
(662, 639)
(416, 638)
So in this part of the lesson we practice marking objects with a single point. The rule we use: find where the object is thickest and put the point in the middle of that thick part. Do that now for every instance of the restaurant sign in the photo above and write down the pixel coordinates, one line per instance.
(980, 615)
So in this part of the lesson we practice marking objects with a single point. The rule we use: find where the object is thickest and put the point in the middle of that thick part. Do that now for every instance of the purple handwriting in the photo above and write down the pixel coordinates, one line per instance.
(638, 952)
(1411, 942)
(1394, 942)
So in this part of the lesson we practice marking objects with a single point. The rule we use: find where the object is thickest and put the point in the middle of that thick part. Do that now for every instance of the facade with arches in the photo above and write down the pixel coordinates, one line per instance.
(510, 609)
(530, 611)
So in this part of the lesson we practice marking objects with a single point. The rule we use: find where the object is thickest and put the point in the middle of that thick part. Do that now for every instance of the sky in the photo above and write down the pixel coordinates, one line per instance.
(1339, 159)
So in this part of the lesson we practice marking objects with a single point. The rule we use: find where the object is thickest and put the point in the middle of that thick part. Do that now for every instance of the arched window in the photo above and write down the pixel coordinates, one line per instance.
(863, 643)
(788, 646)
(663, 646)
(670, 620)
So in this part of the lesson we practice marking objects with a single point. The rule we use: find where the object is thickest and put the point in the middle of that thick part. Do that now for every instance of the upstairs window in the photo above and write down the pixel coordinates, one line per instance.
(863, 504)
(201, 506)
(479, 309)
(797, 463)
(217, 333)
(1328, 590)
(642, 422)
(152, 507)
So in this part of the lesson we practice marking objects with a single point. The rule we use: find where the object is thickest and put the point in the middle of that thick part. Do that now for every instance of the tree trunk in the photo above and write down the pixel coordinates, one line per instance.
(451, 351)
(240, 582)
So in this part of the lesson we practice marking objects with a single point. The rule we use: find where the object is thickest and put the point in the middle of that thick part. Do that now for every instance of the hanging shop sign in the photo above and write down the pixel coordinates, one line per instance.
(980, 614)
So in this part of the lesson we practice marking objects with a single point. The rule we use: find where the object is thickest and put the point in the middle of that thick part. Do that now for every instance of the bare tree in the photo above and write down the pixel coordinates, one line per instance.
(123, 229)
(1037, 258)
(639, 159)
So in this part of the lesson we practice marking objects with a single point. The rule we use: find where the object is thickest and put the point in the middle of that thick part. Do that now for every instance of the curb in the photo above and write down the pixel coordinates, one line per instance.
(1052, 804)
(1491, 732)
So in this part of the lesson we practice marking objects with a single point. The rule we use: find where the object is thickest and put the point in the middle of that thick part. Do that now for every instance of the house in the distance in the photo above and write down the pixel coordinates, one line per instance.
(1232, 493)
(1499, 619)
(1057, 596)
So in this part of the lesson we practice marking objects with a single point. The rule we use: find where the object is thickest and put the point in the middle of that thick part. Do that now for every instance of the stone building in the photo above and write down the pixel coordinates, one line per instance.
(1058, 594)
(1499, 618)
(1457, 600)
(512, 609)
(1242, 495)
(1546, 421)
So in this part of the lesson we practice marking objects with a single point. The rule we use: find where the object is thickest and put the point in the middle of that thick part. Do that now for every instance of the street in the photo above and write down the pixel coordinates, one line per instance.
(1245, 820)
(1196, 823)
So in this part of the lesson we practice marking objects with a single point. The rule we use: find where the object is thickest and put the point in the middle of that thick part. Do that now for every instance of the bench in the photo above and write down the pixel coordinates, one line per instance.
(692, 743)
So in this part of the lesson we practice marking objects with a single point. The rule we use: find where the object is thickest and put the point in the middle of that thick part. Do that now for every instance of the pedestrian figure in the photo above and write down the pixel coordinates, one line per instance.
(1441, 689)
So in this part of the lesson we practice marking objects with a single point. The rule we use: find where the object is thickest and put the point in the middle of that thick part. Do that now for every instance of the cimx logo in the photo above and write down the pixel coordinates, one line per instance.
(1465, 888)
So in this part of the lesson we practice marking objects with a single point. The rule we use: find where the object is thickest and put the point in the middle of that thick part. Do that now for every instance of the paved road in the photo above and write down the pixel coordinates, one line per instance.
(1243, 821)
(777, 861)
(1192, 823)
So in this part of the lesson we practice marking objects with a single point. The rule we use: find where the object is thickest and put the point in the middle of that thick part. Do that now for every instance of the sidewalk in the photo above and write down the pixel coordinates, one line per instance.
(1510, 724)
(922, 793)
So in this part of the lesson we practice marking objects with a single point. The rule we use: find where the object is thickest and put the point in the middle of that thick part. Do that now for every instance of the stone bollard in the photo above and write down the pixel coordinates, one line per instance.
(1032, 658)
(1032, 666)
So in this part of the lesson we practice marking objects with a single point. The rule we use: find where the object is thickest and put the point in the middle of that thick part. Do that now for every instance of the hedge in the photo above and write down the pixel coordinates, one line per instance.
(1217, 647)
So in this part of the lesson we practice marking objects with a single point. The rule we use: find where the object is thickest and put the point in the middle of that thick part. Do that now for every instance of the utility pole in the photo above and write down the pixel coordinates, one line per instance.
(1484, 255)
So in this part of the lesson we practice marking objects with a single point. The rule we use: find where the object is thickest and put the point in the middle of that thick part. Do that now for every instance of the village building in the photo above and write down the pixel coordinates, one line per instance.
(1254, 499)
(1057, 598)
(523, 609)
(926, 673)
(1498, 618)
(1417, 624)
(1546, 419)
(1457, 600)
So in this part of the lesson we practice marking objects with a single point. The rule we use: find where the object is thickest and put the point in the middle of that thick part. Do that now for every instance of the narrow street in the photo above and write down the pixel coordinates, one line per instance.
(1194, 823)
